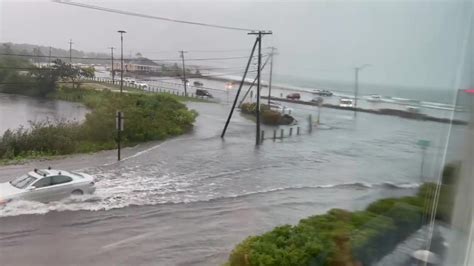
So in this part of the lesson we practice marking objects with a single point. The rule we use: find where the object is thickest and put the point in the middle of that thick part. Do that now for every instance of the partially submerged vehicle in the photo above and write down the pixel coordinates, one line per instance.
(46, 185)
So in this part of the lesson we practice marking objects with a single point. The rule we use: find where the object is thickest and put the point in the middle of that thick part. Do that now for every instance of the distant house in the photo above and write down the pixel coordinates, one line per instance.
(140, 64)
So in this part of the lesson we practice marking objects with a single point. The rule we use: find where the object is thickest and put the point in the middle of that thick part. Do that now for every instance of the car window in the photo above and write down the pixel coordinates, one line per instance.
(60, 179)
(43, 182)
(22, 181)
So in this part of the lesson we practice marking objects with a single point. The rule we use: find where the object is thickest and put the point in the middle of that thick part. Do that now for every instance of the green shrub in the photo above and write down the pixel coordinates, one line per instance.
(271, 117)
(338, 237)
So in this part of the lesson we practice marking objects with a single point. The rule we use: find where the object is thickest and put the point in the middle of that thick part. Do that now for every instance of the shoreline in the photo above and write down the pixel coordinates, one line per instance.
(385, 111)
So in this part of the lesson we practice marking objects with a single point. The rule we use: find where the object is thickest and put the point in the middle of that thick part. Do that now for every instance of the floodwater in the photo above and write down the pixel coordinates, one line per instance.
(191, 199)
(17, 110)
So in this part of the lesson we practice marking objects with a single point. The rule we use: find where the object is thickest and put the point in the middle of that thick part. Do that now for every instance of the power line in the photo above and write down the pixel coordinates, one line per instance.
(117, 11)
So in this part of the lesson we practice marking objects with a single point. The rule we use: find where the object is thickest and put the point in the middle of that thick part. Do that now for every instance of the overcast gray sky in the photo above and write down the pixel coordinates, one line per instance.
(416, 43)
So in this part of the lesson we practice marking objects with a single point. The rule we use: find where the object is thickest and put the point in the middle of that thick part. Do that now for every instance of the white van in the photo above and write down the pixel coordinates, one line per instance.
(345, 102)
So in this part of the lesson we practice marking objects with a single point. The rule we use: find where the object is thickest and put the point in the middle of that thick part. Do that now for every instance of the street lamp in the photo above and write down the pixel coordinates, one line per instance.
(356, 84)
(121, 59)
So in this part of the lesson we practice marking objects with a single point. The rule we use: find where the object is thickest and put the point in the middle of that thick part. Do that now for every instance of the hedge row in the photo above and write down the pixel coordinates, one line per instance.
(339, 237)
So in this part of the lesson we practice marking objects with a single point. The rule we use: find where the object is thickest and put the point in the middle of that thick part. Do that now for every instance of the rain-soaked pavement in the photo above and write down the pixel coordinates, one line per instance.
(190, 199)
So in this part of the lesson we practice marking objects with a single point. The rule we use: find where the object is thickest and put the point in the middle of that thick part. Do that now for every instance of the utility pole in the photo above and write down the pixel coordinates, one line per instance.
(271, 74)
(259, 39)
(49, 57)
(240, 88)
(184, 72)
(257, 135)
(119, 113)
(121, 59)
(356, 85)
(112, 57)
(257, 42)
(70, 51)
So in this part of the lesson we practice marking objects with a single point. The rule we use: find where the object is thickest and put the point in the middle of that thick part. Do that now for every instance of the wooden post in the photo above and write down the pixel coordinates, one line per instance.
(262, 136)
(297, 130)
(310, 123)
(274, 134)
(291, 131)
(281, 133)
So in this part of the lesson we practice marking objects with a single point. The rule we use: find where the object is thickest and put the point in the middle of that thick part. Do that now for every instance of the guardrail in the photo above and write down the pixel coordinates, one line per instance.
(147, 88)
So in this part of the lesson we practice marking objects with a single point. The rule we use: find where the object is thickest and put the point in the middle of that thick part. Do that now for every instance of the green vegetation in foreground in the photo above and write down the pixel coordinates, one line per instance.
(147, 117)
(341, 237)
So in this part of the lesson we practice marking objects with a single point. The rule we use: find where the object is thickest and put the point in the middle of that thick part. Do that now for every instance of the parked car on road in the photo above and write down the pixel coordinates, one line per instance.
(413, 109)
(129, 80)
(317, 100)
(345, 102)
(322, 92)
(142, 85)
(293, 96)
(203, 93)
(374, 98)
(198, 83)
(283, 109)
(46, 185)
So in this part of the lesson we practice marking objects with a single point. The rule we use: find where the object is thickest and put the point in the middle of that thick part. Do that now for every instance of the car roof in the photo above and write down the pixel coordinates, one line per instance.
(39, 173)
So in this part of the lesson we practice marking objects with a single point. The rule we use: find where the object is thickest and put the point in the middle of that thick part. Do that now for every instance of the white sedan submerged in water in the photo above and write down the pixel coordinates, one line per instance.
(46, 185)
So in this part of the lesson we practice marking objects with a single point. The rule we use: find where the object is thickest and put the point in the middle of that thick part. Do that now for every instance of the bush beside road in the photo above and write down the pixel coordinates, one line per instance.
(339, 237)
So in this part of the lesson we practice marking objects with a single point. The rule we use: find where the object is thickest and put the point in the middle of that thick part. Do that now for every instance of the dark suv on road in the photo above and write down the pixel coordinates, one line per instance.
(293, 96)
(203, 93)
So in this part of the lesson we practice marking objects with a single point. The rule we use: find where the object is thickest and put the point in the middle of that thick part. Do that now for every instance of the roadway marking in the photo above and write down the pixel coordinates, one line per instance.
(126, 240)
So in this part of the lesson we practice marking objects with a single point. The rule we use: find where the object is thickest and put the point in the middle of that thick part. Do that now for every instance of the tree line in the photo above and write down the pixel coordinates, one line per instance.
(20, 76)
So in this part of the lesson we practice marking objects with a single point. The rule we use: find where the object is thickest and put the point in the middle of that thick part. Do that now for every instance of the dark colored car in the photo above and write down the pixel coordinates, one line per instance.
(293, 96)
(198, 83)
(203, 93)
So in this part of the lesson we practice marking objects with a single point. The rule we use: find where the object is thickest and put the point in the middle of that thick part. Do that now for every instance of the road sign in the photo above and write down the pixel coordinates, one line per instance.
(423, 143)
(119, 120)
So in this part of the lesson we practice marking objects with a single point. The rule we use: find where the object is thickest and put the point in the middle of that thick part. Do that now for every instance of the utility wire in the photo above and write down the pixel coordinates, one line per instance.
(128, 13)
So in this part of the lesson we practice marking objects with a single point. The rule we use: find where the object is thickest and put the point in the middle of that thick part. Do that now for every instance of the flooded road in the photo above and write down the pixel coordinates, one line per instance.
(189, 200)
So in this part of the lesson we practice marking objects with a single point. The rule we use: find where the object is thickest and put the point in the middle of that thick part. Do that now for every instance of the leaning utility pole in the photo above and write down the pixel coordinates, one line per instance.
(112, 57)
(70, 50)
(184, 72)
(240, 88)
(258, 41)
(271, 74)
